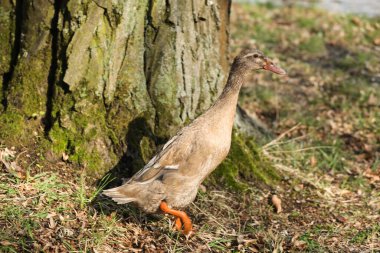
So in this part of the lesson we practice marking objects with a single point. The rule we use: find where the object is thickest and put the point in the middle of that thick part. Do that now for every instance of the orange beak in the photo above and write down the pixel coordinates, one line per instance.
(269, 65)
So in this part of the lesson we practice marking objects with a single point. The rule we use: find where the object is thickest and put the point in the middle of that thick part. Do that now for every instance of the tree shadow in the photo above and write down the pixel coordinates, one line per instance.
(133, 159)
(130, 162)
(342, 58)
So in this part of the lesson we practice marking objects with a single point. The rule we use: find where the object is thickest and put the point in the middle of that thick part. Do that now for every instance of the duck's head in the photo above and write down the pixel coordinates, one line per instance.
(253, 59)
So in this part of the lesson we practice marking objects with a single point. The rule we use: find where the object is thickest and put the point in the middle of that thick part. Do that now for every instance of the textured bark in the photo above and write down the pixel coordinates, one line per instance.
(8, 55)
(102, 79)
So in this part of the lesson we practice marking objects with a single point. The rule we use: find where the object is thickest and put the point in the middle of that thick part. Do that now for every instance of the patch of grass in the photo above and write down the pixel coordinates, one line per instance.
(331, 158)
(312, 244)
(357, 61)
(265, 36)
(219, 244)
(362, 236)
(306, 22)
(354, 183)
(83, 196)
(46, 207)
(313, 46)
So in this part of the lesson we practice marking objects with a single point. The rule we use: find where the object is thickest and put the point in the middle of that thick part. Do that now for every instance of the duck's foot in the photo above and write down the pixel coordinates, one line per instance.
(181, 219)
(178, 224)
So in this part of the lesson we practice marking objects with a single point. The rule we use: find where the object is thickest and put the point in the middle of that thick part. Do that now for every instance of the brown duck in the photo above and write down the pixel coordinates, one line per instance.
(172, 177)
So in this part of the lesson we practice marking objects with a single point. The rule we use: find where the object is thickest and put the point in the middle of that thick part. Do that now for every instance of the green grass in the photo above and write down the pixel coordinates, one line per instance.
(332, 95)
(312, 244)
(365, 235)
(313, 46)
(29, 202)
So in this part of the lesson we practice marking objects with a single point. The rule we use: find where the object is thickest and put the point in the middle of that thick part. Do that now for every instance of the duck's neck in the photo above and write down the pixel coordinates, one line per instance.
(231, 91)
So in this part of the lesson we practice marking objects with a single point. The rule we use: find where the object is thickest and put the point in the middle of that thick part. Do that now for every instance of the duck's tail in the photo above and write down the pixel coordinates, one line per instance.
(146, 196)
(122, 194)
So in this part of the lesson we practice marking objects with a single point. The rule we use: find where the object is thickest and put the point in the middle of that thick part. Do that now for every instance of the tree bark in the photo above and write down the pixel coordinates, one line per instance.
(99, 80)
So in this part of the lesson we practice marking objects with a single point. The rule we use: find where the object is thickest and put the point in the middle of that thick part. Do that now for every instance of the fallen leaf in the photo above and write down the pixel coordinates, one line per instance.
(7, 243)
(313, 161)
(356, 21)
(299, 244)
(65, 156)
(299, 187)
(340, 218)
(376, 41)
(52, 223)
(276, 201)
(371, 175)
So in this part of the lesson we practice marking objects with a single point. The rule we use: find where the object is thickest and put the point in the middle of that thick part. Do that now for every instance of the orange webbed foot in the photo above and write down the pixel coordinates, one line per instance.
(181, 219)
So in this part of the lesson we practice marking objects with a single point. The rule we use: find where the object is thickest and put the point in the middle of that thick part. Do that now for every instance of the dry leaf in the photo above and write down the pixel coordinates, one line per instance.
(372, 99)
(65, 156)
(313, 161)
(376, 41)
(6, 243)
(298, 187)
(52, 223)
(371, 175)
(202, 188)
(340, 218)
(299, 244)
(11, 166)
(356, 21)
(276, 201)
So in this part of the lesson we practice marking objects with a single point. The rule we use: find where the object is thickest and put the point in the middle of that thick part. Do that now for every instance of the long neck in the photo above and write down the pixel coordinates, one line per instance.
(235, 81)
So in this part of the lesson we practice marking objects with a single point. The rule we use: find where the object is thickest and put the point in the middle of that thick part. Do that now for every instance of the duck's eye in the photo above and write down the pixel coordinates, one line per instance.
(255, 55)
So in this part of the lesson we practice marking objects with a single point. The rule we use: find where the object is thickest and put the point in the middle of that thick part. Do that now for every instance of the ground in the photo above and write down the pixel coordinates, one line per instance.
(327, 117)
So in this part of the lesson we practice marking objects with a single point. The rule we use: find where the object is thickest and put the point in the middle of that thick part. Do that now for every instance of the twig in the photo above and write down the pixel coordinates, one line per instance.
(281, 136)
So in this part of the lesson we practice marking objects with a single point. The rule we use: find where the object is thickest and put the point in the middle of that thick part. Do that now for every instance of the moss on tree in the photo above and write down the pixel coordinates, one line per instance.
(101, 81)
(11, 127)
(244, 165)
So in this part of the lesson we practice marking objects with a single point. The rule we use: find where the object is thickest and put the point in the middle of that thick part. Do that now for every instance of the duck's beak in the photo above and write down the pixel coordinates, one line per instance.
(269, 65)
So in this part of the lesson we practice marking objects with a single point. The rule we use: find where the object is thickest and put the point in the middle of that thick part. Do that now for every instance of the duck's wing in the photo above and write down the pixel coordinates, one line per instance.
(177, 149)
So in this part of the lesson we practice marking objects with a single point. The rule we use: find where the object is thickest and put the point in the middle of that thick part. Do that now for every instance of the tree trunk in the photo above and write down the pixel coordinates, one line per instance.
(98, 80)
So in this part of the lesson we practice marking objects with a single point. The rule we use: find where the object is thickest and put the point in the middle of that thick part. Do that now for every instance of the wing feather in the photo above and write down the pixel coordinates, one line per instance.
(168, 158)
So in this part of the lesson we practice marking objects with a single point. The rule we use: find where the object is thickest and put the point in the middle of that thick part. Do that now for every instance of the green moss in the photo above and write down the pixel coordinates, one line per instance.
(244, 164)
(11, 126)
(29, 87)
(59, 139)
(147, 148)
(80, 154)
(76, 146)
(5, 40)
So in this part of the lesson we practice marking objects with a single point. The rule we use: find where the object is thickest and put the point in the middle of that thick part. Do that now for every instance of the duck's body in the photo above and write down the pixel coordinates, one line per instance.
(177, 171)
(174, 175)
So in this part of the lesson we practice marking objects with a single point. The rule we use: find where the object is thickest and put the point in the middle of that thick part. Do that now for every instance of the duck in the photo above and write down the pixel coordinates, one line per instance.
(170, 180)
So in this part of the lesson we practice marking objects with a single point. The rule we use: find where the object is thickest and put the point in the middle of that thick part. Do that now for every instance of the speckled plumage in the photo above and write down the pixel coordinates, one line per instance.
(178, 169)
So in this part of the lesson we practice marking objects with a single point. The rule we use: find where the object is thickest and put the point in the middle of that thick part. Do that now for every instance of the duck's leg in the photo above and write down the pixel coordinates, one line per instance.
(178, 223)
(181, 216)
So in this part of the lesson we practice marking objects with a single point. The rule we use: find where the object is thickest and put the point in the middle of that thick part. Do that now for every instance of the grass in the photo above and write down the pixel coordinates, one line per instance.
(327, 153)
